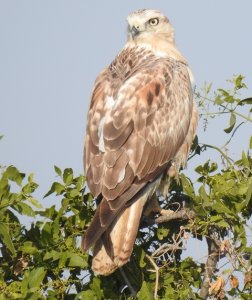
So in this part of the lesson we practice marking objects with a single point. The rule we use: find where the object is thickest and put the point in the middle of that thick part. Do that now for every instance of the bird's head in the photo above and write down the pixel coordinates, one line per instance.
(146, 24)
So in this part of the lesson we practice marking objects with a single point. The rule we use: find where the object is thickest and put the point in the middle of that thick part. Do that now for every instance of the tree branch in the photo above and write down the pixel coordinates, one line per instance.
(156, 270)
(183, 214)
(210, 266)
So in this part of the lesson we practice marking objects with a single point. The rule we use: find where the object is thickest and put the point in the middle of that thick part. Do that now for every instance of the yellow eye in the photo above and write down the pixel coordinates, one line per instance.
(154, 21)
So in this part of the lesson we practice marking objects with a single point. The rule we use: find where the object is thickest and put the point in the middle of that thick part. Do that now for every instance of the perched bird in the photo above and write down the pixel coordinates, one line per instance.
(141, 122)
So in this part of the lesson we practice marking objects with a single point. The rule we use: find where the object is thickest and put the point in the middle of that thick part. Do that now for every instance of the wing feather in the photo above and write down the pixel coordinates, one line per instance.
(113, 193)
(114, 142)
(111, 157)
(115, 174)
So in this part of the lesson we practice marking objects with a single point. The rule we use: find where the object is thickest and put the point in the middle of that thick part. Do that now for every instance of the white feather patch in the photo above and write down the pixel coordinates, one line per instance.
(191, 77)
(121, 175)
(100, 135)
(109, 102)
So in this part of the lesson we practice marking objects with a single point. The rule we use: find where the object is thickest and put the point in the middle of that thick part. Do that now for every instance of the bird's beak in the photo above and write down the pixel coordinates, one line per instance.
(134, 32)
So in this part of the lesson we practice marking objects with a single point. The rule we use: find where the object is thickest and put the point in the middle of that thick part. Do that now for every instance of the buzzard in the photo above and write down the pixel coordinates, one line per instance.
(141, 123)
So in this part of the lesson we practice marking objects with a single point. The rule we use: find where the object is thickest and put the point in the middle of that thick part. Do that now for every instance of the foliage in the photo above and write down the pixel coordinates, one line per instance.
(44, 260)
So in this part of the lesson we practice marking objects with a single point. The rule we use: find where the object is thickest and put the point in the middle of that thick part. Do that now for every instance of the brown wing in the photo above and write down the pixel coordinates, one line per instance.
(136, 125)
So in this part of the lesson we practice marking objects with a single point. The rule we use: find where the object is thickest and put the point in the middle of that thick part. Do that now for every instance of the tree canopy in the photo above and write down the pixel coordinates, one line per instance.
(44, 260)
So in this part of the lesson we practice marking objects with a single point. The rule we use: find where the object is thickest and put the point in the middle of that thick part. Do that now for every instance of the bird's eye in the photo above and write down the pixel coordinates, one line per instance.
(154, 21)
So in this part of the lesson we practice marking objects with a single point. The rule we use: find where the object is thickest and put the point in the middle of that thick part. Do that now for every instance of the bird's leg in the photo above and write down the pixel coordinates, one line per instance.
(152, 206)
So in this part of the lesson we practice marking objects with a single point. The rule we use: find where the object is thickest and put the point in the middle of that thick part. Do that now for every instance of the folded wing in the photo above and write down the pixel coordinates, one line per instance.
(137, 122)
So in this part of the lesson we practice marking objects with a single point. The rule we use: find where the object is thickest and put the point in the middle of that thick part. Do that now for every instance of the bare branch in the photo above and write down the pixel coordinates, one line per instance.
(156, 270)
(183, 214)
(210, 266)
(166, 247)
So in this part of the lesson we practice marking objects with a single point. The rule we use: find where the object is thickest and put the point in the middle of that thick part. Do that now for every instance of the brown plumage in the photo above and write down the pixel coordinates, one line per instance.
(141, 119)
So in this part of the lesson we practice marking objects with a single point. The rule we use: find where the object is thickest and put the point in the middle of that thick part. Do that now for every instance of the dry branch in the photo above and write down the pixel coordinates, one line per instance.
(183, 214)
(210, 266)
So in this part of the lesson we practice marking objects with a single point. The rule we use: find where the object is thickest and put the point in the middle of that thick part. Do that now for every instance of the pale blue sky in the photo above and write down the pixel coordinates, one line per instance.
(52, 51)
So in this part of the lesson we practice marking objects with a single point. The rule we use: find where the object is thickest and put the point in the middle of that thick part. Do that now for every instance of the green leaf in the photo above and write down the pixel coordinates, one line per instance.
(187, 186)
(75, 260)
(58, 188)
(28, 248)
(250, 143)
(46, 233)
(245, 159)
(245, 101)
(218, 100)
(229, 99)
(239, 84)
(232, 122)
(199, 169)
(218, 220)
(74, 193)
(58, 170)
(204, 196)
(13, 174)
(206, 168)
(215, 218)
(208, 87)
(79, 182)
(223, 224)
(162, 233)
(29, 188)
(36, 277)
(5, 236)
(224, 92)
(213, 167)
(34, 202)
(96, 287)
(85, 295)
(142, 262)
(55, 188)
(54, 255)
(222, 208)
(24, 209)
(145, 293)
(68, 176)
(249, 194)
(24, 284)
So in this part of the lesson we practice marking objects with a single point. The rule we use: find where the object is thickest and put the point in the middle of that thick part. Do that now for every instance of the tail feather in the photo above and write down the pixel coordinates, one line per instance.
(114, 249)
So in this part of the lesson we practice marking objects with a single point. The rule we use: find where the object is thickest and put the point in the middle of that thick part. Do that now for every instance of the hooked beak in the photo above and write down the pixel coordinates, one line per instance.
(134, 32)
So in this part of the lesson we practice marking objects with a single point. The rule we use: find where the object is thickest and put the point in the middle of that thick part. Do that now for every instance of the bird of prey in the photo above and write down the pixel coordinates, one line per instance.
(141, 122)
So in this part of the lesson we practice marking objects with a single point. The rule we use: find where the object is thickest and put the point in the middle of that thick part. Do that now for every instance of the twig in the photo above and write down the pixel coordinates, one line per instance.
(165, 248)
(230, 110)
(233, 133)
(210, 266)
(183, 214)
(229, 160)
(156, 270)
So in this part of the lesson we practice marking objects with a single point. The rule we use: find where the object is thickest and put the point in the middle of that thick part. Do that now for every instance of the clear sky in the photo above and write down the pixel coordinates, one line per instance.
(52, 51)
